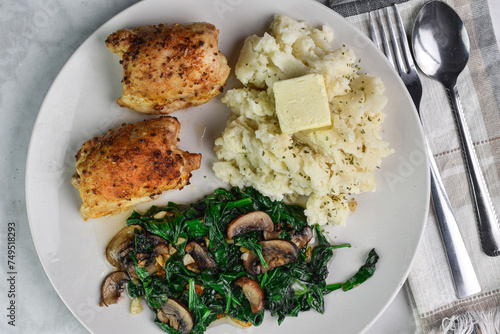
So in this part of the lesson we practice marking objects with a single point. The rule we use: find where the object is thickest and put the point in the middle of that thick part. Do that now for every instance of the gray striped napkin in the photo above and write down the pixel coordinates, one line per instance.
(349, 8)
(436, 308)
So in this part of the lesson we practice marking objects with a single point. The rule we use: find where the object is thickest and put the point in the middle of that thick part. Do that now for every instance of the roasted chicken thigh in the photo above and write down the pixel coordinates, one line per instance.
(132, 164)
(169, 67)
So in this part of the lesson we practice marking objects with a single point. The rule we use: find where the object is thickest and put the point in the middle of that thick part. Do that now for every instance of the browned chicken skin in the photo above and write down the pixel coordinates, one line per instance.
(132, 164)
(169, 67)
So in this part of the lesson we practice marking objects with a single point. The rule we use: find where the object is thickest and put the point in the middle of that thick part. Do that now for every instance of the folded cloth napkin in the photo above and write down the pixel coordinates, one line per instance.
(435, 305)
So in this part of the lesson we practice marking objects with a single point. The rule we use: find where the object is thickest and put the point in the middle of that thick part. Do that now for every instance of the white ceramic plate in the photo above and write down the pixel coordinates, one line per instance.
(81, 104)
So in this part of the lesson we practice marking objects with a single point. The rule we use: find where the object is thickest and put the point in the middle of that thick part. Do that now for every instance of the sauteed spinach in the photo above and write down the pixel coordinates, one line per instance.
(183, 264)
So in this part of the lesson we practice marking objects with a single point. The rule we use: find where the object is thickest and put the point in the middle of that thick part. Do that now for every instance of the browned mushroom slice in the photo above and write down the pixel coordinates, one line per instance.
(300, 238)
(176, 315)
(201, 259)
(271, 235)
(156, 239)
(252, 221)
(251, 262)
(150, 262)
(278, 253)
(130, 269)
(162, 249)
(120, 246)
(112, 288)
(253, 292)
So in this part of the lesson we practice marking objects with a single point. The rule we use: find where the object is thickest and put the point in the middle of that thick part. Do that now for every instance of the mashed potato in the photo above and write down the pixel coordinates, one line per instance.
(326, 165)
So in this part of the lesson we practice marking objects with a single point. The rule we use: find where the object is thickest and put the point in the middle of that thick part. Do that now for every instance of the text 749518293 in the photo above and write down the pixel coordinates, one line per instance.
(11, 273)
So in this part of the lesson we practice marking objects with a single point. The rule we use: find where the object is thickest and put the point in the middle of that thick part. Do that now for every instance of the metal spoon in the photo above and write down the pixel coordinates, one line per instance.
(441, 48)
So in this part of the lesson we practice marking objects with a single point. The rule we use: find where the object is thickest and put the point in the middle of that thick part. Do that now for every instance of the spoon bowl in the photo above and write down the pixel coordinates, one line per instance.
(441, 49)
(440, 42)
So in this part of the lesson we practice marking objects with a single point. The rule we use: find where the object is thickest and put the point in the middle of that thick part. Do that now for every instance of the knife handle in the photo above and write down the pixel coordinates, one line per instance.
(462, 271)
(489, 231)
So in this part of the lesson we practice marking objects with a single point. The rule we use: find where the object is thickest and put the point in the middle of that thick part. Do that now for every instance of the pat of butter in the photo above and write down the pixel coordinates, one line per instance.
(302, 103)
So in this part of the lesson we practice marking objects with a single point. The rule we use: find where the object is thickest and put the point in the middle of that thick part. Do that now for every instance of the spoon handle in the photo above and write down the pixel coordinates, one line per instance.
(462, 271)
(489, 230)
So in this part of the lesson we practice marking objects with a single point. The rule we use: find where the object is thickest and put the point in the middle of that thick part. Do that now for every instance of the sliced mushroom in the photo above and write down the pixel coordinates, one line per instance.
(278, 253)
(151, 262)
(299, 238)
(156, 239)
(176, 315)
(252, 221)
(251, 262)
(121, 245)
(272, 235)
(150, 266)
(253, 292)
(130, 269)
(200, 255)
(112, 288)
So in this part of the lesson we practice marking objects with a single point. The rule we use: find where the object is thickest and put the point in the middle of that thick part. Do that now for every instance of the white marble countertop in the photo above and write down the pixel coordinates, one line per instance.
(38, 37)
